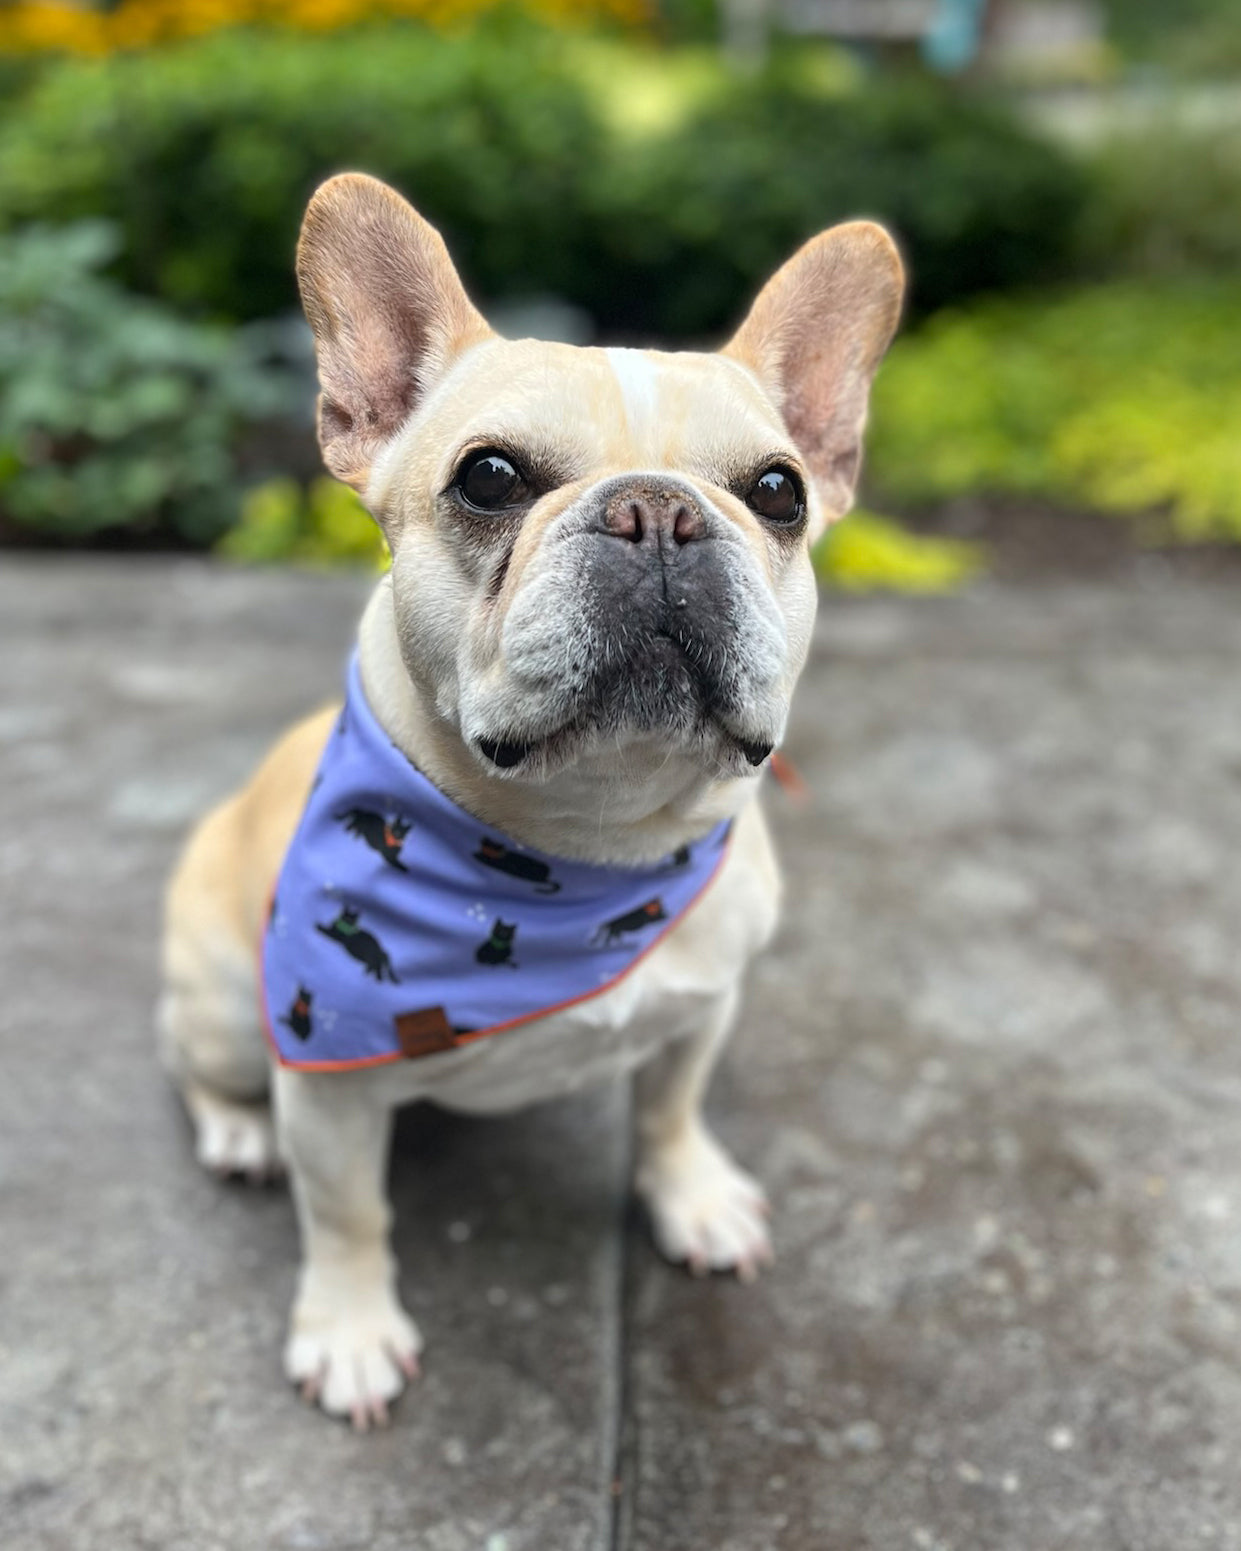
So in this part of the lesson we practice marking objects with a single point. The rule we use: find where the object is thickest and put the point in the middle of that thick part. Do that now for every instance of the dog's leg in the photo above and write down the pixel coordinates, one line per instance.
(212, 1048)
(351, 1346)
(233, 1139)
(210, 1040)
(704, 1209)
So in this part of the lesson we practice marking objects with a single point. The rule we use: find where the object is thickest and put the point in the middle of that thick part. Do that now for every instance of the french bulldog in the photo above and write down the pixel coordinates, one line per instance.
(600, 599)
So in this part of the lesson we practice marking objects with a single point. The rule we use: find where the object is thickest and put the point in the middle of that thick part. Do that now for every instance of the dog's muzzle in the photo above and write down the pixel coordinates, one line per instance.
(647, 613)
(659, 573)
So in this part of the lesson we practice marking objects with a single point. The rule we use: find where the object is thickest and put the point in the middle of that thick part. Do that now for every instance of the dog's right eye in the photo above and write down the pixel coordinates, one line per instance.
(490, 483)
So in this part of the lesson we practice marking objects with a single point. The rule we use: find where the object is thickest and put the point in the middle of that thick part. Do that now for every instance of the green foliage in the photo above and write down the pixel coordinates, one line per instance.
(697, 219)
(868, 553)
(659, 208)
(1200, 37)
(205, 154)
(697, 19)
(113, 412)
(324, 525)
(1169, 202)
(17, 74)
(1125, 398)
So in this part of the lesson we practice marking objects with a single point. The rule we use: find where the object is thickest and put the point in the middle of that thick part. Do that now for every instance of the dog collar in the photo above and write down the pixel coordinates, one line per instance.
(401, 926)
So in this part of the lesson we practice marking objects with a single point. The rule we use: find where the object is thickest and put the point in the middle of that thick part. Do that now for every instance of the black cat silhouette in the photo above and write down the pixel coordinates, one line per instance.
(492, 854)
(384, 836)
(368, 950)
(632, 921)
(498, 948)
(298, 1015)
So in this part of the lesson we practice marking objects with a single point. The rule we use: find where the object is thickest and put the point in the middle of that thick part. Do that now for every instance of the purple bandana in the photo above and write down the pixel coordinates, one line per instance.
(401, 926)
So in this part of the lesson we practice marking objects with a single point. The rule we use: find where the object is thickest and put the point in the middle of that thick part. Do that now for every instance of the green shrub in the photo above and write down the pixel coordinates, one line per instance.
(1168, 204)
(1125, 398)
(693, 222)
(17, 75)
(323, 525)
(868, 553)
(205, 154)
(1197, 37)
(113, 412)
(506, 138)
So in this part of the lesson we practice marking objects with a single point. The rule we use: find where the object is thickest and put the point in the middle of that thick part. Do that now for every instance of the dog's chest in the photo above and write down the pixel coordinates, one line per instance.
(670, 995)
(566, 1051)
(402, 928)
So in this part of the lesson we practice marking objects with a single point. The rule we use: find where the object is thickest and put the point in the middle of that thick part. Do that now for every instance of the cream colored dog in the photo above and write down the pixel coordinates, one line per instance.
(536, 498)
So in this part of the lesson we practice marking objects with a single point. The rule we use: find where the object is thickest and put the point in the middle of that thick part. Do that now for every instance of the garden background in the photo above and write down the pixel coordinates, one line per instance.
(1065, 181)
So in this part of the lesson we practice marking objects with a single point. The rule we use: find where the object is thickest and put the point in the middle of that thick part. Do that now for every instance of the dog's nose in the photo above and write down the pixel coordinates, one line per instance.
(654, 517)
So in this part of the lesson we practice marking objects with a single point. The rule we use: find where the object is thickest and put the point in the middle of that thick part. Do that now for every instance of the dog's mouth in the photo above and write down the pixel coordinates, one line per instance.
(507, 753)
(512, 752)
(668, 687)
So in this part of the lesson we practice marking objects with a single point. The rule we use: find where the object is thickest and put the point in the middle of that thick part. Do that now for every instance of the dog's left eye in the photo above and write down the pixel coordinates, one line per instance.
(489, 482)
(776, 495)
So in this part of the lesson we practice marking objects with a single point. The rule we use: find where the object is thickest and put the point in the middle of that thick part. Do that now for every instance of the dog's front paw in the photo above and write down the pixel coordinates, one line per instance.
(704, 1209)
(352, 1353)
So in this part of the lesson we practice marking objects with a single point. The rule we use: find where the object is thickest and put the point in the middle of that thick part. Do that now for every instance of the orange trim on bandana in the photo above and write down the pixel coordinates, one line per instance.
(789, 778)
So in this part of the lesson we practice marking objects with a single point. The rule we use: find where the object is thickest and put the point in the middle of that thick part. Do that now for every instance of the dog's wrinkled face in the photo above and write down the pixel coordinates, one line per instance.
(600, 544)
(593, 548)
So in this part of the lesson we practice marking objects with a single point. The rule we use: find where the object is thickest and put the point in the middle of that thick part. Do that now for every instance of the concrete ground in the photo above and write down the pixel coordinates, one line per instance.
(990, 1071)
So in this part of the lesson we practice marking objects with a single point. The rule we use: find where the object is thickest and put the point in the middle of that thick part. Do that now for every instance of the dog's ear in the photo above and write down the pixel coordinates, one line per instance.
(815, 337)
(388, 311)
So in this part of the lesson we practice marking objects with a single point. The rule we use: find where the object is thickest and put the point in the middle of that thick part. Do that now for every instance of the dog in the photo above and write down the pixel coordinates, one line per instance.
(600, 599)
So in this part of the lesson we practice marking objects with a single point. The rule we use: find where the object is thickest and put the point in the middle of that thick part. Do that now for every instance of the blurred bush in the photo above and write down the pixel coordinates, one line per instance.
(324, 524)
(1194, 37)
(869, 553)
(1123, 398)
(115, 413)
(694, 220)
(1168, 202)
(53, 26)
(205, 155)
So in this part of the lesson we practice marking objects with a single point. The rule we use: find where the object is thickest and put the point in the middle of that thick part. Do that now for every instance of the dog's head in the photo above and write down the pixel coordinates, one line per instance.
(593, 550)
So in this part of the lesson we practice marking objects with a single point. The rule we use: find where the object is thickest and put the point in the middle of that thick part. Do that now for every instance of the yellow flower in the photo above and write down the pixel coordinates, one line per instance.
(60, 26)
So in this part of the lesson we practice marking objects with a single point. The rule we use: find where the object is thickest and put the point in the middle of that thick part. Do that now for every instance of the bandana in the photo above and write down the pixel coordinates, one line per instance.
(401, 926)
